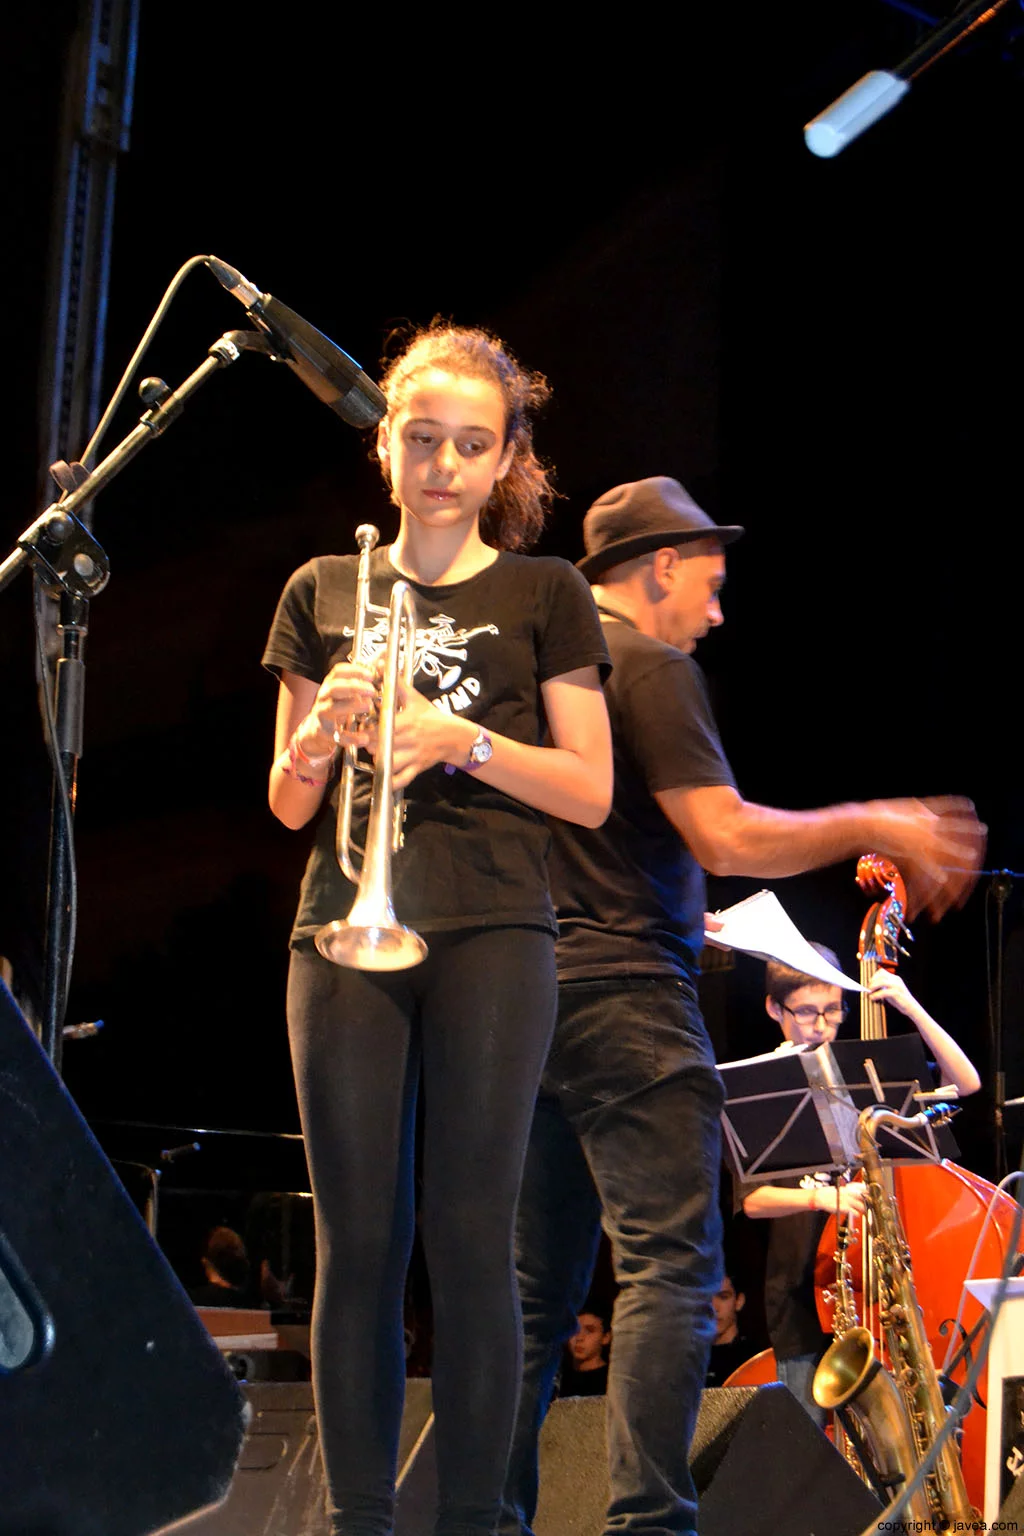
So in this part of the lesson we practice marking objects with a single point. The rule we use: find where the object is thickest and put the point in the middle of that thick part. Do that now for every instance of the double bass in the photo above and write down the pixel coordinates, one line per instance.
(942, 1206)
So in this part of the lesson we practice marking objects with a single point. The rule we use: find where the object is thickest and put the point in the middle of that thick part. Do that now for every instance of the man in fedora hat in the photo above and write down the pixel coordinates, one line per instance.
(627, 1123)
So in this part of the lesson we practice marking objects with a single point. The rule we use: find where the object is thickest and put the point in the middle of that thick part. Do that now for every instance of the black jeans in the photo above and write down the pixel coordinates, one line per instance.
(477, 1017)
(627, 1124)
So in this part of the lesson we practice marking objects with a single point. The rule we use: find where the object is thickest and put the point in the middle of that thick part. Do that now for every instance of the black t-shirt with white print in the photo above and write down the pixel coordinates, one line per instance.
(473, 856)
(630, 894)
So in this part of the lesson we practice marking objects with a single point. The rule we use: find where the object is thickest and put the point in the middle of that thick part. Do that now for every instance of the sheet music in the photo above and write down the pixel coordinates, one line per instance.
(748, 1061)
(759, 926)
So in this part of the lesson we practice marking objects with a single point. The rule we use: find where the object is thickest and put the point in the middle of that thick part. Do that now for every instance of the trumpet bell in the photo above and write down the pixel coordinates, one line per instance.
(388, 946)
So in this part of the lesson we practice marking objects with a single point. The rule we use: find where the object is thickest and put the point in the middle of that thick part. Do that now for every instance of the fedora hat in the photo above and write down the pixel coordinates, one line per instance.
(633, 519)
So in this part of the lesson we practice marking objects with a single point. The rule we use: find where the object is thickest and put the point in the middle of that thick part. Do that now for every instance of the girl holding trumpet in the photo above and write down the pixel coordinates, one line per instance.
(508, 648)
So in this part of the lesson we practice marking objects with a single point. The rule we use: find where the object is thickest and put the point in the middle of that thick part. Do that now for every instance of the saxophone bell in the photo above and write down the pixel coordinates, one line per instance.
(850, 1378)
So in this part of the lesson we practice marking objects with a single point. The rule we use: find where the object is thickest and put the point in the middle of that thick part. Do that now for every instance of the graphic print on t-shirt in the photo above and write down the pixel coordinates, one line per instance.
(441, 650)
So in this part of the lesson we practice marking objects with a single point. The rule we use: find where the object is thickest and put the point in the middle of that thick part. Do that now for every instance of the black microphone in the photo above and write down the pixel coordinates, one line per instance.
(333, 376)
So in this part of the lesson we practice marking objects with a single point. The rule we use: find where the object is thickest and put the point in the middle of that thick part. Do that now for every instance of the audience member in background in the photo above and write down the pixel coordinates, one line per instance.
(585, 1370)
(226, 1267)
(731, 1346)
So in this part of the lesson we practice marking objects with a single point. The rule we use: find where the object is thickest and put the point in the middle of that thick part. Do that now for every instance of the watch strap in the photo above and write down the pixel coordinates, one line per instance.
(480, 752)
(473, 762)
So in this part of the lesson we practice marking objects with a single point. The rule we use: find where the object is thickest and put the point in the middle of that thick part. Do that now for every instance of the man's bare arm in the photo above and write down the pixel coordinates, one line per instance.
(937, 843)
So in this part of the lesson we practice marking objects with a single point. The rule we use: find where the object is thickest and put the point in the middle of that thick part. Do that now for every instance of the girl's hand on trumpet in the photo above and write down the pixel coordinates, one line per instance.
(425, 736)
(340, 713)
(306, 746)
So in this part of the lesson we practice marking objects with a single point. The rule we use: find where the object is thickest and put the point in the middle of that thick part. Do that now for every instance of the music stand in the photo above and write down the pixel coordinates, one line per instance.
(795, 1112)
(901, 1072)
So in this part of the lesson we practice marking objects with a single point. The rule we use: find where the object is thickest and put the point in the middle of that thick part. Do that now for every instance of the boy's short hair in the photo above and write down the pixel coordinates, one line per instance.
(598, 1309)
(781, 980)
(225, 1250)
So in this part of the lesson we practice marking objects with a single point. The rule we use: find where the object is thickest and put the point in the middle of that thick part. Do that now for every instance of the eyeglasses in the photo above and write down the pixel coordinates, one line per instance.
(808, 1015)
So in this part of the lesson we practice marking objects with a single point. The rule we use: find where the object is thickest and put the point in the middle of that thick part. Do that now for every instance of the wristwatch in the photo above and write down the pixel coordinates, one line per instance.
(480, 752)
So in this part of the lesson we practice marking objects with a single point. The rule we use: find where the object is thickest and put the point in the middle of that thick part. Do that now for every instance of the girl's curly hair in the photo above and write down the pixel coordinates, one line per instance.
(517, 506)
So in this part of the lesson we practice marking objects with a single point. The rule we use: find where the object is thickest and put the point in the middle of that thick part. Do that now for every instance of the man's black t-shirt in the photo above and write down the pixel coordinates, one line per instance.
(473, 856)
(629, 894)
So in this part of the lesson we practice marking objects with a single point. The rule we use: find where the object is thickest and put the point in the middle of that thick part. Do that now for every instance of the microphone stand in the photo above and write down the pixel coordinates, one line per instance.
(1000, 887)
(72, 566)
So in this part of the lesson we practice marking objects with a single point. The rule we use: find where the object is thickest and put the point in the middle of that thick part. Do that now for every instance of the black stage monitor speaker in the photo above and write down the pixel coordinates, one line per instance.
(278, 1489)
(573, 1493)
(1011, 1511)
(117, 1413)
(759, 1463)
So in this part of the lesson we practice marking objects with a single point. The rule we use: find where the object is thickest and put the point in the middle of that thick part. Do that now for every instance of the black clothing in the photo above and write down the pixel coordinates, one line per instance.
(626, 1129)
(473, 857)
(210, 1295)
(583, 1383)
(630, 894)
(474, 1018)
(790, 1311)
(726, 1358)
(625, 1133)
(789, 1306)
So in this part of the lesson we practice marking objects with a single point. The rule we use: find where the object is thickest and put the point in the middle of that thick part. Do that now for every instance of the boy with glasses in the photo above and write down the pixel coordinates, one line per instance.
(809, 1013)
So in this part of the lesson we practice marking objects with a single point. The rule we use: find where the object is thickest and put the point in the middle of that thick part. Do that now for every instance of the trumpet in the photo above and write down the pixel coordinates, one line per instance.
(371, 938)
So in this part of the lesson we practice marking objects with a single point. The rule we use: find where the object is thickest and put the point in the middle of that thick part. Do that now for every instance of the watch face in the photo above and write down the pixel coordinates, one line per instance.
(481, 751)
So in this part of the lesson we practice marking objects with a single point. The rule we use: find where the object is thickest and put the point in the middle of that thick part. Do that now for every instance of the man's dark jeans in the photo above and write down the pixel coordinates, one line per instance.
(627, 1124)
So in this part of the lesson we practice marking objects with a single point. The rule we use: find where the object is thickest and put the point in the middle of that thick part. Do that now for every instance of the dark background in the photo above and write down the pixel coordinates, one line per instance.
(826, 352)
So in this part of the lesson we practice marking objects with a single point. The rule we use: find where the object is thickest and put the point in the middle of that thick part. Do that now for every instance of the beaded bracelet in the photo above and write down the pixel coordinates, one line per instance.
(293, 771)
(312, 762)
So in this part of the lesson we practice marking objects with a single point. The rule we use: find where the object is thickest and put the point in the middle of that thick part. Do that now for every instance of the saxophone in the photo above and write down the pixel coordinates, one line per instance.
(897, 1415)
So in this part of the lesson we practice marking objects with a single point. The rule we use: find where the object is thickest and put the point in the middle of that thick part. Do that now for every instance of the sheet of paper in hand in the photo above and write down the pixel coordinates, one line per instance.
(759, 926)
